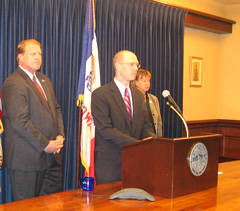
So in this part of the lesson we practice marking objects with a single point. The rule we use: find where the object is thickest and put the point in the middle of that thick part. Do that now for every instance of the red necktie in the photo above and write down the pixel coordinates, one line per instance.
(128, 104)
(40, 89)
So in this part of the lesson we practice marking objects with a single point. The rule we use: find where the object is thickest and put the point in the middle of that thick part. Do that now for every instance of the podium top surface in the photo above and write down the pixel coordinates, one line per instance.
(176, 140)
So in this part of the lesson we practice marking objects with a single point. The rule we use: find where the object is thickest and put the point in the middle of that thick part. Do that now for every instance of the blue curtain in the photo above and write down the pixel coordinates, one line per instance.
(57, 24)
(152, 30)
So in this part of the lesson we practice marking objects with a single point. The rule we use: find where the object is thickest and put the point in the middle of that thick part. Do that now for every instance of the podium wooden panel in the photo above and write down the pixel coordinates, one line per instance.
(160, 166)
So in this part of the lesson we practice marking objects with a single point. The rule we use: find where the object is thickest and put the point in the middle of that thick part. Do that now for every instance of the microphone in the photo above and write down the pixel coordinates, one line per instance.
(166, 94)
(181, 117)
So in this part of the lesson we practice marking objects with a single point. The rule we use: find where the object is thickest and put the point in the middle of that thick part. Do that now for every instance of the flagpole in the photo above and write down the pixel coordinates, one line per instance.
(89, 80)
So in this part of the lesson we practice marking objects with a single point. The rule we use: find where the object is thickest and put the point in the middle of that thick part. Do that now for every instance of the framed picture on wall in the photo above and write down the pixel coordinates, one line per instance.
(196, 66)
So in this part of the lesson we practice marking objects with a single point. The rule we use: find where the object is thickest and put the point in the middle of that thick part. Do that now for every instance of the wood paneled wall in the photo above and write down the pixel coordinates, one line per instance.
(230, 129)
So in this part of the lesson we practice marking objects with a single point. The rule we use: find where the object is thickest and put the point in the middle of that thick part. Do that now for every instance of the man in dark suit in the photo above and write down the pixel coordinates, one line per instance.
(115, 126)
(34, 132)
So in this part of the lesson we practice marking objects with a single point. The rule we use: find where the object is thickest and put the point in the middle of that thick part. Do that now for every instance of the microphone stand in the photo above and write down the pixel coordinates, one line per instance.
(183, 120)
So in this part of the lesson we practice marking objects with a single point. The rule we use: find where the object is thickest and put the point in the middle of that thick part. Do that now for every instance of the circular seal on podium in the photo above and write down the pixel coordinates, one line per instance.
(198, 159)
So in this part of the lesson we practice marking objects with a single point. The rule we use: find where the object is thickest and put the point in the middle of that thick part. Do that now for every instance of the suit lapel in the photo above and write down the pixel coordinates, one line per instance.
(119, 101)
(33, 86)
(46, 90)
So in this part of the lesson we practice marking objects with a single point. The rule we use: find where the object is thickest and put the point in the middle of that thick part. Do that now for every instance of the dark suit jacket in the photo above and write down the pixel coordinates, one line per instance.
(29, 122)
(113, 129)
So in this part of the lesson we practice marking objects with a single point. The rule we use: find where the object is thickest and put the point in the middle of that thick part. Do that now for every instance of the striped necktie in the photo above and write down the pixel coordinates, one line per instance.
(128, 104)
(40, 89)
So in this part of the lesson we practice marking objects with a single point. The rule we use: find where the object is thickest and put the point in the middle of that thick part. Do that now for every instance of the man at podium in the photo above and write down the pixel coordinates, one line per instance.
(120, 117)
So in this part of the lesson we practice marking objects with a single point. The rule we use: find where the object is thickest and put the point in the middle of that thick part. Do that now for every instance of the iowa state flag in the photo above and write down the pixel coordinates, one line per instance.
(89, 80)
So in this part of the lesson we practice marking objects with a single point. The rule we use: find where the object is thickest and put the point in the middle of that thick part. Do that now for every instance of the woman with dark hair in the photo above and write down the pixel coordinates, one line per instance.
(143, 83)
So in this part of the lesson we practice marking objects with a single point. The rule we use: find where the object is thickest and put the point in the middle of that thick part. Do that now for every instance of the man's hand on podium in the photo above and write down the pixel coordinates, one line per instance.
(145, 139)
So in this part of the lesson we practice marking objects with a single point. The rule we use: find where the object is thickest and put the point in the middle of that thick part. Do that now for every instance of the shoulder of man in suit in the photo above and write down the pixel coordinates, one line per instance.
(42, 77)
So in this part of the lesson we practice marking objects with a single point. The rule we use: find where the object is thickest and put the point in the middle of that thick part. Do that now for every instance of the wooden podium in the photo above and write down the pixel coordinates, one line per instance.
(171, 167)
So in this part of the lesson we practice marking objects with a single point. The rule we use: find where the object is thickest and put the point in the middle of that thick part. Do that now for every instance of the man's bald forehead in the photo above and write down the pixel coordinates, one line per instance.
(120, 55)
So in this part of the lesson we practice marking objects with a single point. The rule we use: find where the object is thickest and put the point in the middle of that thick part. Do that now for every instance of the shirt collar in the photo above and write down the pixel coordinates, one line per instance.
(121, 86)
(27, 72)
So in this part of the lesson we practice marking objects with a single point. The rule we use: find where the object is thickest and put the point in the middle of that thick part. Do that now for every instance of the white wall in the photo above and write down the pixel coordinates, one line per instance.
(200, 103)
(207, 6)
(220, 91)
(229, 77)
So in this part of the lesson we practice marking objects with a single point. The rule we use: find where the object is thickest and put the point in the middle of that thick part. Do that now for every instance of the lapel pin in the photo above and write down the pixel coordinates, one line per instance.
(43, 80)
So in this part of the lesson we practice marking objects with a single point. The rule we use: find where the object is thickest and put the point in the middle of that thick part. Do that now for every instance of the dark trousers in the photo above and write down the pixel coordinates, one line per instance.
(107, 167)
(29, 184)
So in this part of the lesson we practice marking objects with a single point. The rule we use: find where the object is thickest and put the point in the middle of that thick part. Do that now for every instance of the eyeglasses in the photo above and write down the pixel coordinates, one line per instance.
(132, 64)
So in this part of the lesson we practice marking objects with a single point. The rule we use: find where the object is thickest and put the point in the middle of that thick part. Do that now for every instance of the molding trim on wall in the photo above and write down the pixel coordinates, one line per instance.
(204, 21)
(230, 129)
